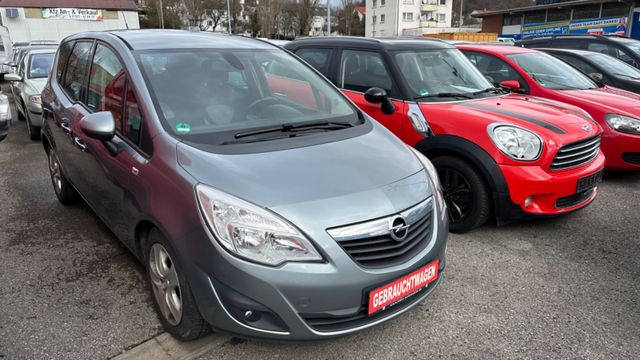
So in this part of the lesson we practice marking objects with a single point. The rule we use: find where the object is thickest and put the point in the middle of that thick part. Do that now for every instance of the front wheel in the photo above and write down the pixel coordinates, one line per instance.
(465, 193)
(33, 131)
(64, 190)
(171, 291)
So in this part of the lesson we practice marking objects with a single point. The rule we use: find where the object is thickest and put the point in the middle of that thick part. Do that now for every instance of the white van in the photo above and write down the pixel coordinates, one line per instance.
(5, 51)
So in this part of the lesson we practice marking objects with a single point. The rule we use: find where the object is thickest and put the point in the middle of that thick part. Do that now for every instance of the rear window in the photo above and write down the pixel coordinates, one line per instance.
(75, 78)
(40, 65)
(63, 56)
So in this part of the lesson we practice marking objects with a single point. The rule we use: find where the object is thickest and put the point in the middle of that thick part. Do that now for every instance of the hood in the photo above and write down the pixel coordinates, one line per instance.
(341, 182)
(36, 85)
(550, 119)
(617, 100)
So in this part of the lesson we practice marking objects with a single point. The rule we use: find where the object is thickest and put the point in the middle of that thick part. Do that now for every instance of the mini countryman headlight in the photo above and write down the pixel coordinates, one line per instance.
(516, 142)
(432, 173)
(623, 123)
(252, 232)
(36, 99)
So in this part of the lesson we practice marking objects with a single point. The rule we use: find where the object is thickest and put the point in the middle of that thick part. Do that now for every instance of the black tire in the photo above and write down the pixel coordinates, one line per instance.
(190, 325)
(465, 192)
(65, 192)
(21, 115)
(34, 131)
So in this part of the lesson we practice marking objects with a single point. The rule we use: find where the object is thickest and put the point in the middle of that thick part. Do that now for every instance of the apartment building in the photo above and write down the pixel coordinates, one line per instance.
(407, 17)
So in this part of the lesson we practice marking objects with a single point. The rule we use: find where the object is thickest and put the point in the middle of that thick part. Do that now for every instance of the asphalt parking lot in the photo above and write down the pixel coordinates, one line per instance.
(561, 288)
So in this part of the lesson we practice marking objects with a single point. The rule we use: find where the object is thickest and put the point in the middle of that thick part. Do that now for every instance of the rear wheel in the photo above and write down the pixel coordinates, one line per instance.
(465, 193)
(171, 291)
(33, 131)
(64, 190)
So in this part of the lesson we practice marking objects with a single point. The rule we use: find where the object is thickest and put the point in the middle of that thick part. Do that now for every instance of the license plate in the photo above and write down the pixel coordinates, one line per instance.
(589, 182)
(398, 290)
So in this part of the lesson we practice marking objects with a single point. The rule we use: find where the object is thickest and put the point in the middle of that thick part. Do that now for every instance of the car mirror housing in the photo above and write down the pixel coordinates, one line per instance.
(100, 125)
(379, 96)
(596, 76)
(513, 85)
(12, 77)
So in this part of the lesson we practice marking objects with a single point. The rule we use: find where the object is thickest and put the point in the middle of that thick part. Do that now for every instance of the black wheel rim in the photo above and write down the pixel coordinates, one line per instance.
(457, 194)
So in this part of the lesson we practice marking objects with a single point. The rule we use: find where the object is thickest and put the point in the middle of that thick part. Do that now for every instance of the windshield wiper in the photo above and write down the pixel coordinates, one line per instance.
(295, 128)
(444, 95)
(491, 89)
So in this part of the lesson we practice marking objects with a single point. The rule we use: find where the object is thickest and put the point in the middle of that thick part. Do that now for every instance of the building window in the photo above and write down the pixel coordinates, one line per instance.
(558, 15)
(443, 2)
(382, 19)
(407, 2)
(440, 17)
(586, 12)
(382, 2)
(407, 16)
(535, 17)
(375, 3)
(512, 19)
(374, 19)
(615, 10)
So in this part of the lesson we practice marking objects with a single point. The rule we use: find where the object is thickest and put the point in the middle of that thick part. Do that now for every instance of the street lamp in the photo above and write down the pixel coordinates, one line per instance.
(229, 15)
(161, 15)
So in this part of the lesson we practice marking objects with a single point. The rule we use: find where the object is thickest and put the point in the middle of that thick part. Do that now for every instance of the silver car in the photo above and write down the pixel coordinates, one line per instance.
(260, 199)
(27, 84)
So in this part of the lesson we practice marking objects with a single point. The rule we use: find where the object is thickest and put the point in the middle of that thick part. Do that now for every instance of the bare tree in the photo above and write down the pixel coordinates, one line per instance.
(348, 8)
(269, 14)
(203, 14)
(304, 12)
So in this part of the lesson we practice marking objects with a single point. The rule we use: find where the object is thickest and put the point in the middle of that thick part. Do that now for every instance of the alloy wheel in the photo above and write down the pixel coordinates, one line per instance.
(165, 284)
(457, 194)
(54, 170)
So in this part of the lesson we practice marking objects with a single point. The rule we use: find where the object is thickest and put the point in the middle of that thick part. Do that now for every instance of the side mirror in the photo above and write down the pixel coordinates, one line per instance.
(100, 125)
(12, 77)
(379, 96)
(513, 85)
(598, 77)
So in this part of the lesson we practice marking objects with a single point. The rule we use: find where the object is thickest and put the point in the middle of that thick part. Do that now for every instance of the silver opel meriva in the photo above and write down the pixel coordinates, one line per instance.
(260, 199)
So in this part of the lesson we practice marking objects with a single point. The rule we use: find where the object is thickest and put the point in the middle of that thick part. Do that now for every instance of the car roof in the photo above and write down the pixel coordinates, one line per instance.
(569, 51)
(150, 39)
(499, 49)
(390, 43)
(42, 51)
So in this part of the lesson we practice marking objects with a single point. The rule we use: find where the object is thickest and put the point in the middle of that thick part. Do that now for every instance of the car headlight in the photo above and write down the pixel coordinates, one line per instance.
(623, 123)
(36, 99)
(252, 232)
(432, 173)
(516, 142)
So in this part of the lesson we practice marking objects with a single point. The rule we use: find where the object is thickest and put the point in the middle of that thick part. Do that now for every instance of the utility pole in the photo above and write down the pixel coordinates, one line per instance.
(229, 16)
(328, 17)
(161, 15)
(461, 16)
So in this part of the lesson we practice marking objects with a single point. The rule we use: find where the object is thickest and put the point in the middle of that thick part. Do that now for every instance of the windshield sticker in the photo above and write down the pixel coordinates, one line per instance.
(183, 128)
(424, 92)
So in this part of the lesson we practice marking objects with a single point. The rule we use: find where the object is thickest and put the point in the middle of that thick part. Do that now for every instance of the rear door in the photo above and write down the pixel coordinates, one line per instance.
(360, 70)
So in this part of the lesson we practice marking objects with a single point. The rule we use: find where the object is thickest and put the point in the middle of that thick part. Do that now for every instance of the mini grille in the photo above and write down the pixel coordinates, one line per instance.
(575, 199)
(576, 154)
(631, 158)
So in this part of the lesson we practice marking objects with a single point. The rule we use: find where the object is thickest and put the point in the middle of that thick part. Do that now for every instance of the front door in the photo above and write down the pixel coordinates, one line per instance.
(361, 70)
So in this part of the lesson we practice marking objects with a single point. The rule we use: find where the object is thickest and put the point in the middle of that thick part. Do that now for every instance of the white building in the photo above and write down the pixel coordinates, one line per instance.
(407, 17)
(29, 20)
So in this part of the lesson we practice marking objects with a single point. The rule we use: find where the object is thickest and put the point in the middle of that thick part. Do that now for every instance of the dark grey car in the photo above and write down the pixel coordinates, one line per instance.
(262, 202)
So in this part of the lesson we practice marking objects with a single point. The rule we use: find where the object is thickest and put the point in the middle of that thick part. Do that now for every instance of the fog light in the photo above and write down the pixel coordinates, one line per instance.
(528, 201)
(251, 315)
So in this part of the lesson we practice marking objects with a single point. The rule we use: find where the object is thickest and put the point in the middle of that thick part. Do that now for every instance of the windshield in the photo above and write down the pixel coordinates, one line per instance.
(431, 72)
(551, 72)
(210, 95)
(615, 66)
(40, 65)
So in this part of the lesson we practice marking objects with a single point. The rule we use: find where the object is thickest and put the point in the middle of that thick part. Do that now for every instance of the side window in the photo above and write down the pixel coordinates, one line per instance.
(601, 48)
(22, 66)
(132, 126)
(578, 63)
(318, 58)
(105, 71)
(77, 69)
(361, 70)
(622, 55)
(495, 69)
(567, 44)
(63, 56)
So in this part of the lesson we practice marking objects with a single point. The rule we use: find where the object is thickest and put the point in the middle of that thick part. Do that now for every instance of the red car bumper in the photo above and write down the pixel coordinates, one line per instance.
(551, 192)
(621, 150)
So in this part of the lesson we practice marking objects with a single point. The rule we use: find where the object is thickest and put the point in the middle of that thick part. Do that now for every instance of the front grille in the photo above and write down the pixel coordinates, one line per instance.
(575, 199)
(631, 158)
(576, 154)
(327, 322)
(589, 182)
(372, 245)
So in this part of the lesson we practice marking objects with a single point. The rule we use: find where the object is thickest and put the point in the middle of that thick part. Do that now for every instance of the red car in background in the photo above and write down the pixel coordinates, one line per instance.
(497, 153)
(539, 74)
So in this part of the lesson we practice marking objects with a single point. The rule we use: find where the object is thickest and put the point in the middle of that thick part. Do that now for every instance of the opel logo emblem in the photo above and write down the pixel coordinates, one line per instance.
(398, 228)
(586, 127)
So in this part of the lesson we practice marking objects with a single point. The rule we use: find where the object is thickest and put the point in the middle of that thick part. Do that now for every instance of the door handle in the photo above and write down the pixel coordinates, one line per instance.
(80, 143)
(65, 126)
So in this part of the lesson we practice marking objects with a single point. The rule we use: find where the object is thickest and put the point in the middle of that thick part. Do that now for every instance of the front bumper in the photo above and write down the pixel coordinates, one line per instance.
(305, 301)
(617, 146)
(549, 192)
(35, 114)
